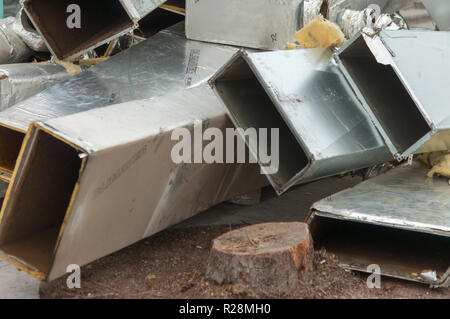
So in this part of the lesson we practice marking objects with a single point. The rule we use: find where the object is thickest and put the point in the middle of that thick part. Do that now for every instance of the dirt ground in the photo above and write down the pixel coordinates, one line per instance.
(172, 264)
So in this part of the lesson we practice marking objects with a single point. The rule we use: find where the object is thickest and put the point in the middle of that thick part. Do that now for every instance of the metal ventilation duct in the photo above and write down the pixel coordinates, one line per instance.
(164, 63)
(323, 129)
(100, 22)
(399, 221)
(260, 24)
(401, 79)
(91, 183)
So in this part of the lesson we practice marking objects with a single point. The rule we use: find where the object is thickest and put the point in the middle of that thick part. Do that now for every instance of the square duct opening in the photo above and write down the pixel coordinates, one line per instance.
(45, 187)
(399, 252)
(251, 107)
(100, 20)
(386, 96)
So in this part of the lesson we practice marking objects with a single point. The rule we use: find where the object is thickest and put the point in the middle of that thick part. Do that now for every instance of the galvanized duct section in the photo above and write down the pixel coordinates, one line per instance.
(259, 24)
(81, 176)
(36, 222)
(251, 107)
(101, 20)
(400, 78)
(165, 63)
(322, 127)
(386, 96)
(398, 220)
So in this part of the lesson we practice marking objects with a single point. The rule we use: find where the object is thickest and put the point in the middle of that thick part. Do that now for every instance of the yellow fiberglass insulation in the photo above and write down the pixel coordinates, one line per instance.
(439, 163)
(320, 33)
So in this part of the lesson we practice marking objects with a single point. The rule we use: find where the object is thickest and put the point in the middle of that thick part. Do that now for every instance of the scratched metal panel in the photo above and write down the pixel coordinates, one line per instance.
(164, 63)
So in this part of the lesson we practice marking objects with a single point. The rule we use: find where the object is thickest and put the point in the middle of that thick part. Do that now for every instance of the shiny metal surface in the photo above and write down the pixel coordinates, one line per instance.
(22, 80)
(403, 199)
(260, 24)
(401, 78)
(323, 128)
(162, 64)
(440, 12)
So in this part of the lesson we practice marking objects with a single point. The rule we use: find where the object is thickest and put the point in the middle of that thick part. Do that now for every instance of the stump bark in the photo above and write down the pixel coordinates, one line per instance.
(267, 258)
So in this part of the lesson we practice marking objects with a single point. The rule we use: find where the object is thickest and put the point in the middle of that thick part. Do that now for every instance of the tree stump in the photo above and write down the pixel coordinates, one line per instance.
(267, 258)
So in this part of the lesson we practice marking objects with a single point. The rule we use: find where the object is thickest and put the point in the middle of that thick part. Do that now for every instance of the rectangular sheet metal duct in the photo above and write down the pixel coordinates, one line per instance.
(101, 21)
(323, 128)
(91, 183)
(165, 63)
(401, 78)
(399, 220)
(260, 24)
